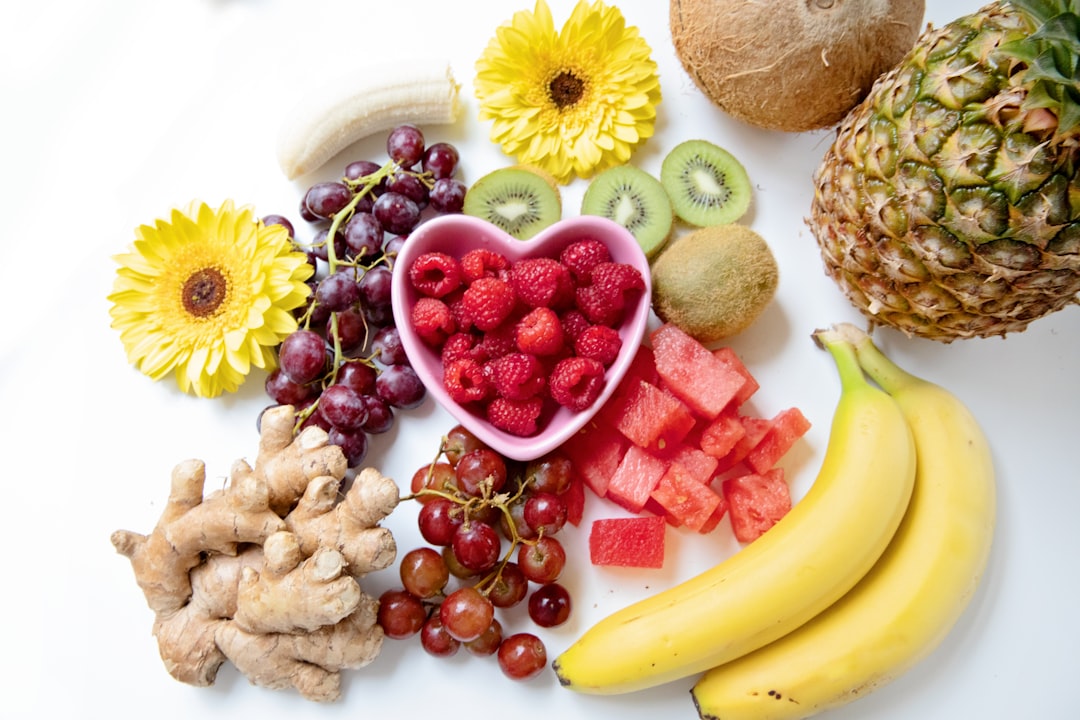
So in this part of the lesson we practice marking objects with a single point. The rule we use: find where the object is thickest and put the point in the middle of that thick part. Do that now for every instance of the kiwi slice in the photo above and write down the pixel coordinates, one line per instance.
(517, 199)
(634, 199)
(706, 184)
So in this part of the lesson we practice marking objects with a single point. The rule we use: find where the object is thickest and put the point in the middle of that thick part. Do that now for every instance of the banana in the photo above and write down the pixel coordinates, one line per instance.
(803, 564)
(345, 109)
(912, 597)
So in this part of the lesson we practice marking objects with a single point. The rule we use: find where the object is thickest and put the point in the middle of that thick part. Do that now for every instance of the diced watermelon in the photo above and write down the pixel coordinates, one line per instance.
(574, 498)
(695, 462)
(628, 542)
(690, 370)
(732, 360)
(755, 430)
(716, 517)
(596, 451)
(684, 498)
(720, 436)
(756, 502)
(787, 427)
(649, 416)
(638, 474)
(643, 367)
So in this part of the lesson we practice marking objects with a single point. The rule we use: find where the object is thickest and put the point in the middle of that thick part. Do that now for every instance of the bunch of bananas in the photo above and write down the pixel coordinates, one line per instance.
(861, 580)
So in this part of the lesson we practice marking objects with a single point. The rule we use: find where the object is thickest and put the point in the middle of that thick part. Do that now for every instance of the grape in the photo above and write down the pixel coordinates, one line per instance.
(440, 159)
(549, 605)
(360, 168)
(380, 415)
(405, 145)
(325, 199)
(460, 440)
(387, 348)
(456, 568)
(542, 560)
(466, 613)
(401, 614)
(423, 572)
(437, 476)
(363, 235)
(411, 187)
(488, 642)
(392, 247)
(351, 330)
(478, 469)
(509, 588)
(280, 220)
(545, 512)
(436, 640)
(396, 213)
(439, 521)
(359, 376)
(343, 408)
(307, 214)
(520, 528)
(550, 473)
(375, 287)
(522, 656)
(353, 443)
(319, 245)
(447, 195)
(303, 356)
(284, 391)
(400, 386)
(338, 291)
(476, 545)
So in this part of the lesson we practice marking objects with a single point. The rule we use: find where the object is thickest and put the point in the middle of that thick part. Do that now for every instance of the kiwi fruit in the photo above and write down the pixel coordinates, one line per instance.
(715, 281)
(707, 184)
(634, 199)
(519, 199)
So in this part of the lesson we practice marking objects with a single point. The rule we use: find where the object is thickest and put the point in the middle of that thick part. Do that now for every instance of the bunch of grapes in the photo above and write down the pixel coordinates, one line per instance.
(491, 526)
(345, 369)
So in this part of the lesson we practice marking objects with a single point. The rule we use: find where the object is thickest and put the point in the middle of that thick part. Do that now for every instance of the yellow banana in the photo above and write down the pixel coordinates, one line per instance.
(345, 109)
(803, 564)
(912, 597)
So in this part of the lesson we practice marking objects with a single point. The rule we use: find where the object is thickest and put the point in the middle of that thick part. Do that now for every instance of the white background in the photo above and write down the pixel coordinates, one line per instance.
(116, 111)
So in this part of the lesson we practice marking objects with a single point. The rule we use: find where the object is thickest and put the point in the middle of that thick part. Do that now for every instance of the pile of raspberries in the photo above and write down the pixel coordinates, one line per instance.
(519, 339)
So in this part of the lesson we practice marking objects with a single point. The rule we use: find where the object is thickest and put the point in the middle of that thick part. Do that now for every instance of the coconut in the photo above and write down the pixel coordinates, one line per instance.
(791, 65)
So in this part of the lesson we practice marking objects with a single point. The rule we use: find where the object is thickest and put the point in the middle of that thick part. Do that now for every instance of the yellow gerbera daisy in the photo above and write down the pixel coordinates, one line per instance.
(570, 102)
(207, 294)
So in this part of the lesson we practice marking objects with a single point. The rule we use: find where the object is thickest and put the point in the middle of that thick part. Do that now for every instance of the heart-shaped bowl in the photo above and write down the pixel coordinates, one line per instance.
(457, 234)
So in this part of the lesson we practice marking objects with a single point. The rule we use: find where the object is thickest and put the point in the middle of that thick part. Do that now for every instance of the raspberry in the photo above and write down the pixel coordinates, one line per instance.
(516, 417)
(432, 320)
(599, 306)
(599, 342)
(516, 376)
(496, 343)
(582, 256)
(539, 332)
(435, 274)
(483, 262)
(488, 302)
(576, 382)
(465, 381)
(457, 308)
(603, 300)
(574, 323)
(457, 346)
(620, 277)
(542, 282)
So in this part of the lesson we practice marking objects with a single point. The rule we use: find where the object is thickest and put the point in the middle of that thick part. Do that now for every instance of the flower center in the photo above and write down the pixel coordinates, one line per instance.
(566, 89)
(204, 291)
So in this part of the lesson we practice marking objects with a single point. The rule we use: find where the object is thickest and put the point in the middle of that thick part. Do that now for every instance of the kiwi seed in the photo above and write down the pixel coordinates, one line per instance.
(518, 199)
(634, 199)
(715, 281)
(707, 185)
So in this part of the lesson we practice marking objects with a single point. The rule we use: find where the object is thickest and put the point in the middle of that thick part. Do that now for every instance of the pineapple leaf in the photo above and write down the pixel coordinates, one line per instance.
(1043, 10)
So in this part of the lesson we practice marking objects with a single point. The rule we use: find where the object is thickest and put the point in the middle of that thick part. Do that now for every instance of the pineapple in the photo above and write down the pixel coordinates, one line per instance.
(948, 205)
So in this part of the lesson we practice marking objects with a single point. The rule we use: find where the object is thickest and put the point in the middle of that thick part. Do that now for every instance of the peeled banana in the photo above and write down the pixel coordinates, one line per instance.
(345, 109)
(911, 598)
(803, 564)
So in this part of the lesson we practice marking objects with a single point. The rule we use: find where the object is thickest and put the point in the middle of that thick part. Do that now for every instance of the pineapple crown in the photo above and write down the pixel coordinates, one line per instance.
(1051, 56)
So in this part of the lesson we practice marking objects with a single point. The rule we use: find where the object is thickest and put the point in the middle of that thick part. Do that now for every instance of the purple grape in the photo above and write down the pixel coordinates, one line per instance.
(441, 160)
(364, 235)
(448, 195)
(357, 375)
(400, 386)
(411, 187)
(405, 145)
(386, 346)
(320, 247)
(351, 330)
(326, 199)
(282, 221)
(380, 415)
(354, 443)
(343, 408)
(303, 356)
(359, 168)
(285, 391)
(392, 247)
(396, 213)
(338, 291)
(375, 287)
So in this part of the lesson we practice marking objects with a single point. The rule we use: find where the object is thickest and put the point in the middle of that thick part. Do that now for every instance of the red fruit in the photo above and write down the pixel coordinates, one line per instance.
(457, 346)
(517, 417)
(465, 381)
(650, 417)
(628, 542)
(489, 302)
(517, 376)
(696, 376)
(686, 501)
(599, 342)
(432, 321)
(539, 332)
(542, 282)
(483, 262)
(596, 451)
(582, 256)
(435, 274)
(787, 426)
(574, 323)
(756, 502)
(576, 382)
(720, 436)
(637, 476)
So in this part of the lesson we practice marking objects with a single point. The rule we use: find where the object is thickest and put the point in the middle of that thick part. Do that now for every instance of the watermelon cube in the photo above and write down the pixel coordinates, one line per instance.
(638, 474)
(693, 374)
(732, 360)
(574, 498)
(642, 367)
(650, 417)
(717, 515)
(628, 542)
(755, 429)
(688, 501)
(695, 462)
(596, 451)
(719, 437)
(787, 427)
(756, 502)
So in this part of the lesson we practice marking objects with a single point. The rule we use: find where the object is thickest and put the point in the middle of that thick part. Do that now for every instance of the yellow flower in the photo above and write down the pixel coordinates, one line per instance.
(207, 294)
(573, 102)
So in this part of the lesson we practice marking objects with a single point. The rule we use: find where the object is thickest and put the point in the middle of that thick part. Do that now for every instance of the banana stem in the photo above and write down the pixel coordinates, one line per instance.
(890, 376)
(843, 353)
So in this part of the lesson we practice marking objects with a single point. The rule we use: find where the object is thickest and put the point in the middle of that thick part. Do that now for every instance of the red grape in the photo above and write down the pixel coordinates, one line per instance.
(549, 605)
(440, 159)
(479, 471)
(436, 640)
(551, 473)
(522, 656)
(325, 199)
(476, 545)
(488, 642)
(401, 614)
(400, 386)
(303, 356)
(343, 408)
(405, 145)
(437, 476)
(543, 560)
(509, 588)
(439, 521)
(466, 613)
(423, 572)
(460, 440)
(545, 513)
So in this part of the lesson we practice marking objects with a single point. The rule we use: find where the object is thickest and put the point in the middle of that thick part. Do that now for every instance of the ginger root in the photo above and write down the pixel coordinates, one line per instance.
(265, 572)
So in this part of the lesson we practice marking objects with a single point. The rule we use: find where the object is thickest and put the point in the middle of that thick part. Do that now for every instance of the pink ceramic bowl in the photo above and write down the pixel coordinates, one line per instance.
(456, 235)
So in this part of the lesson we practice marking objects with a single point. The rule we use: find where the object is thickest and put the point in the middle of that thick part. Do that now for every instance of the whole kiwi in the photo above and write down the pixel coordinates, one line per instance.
(715, 281)
(791, 65)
